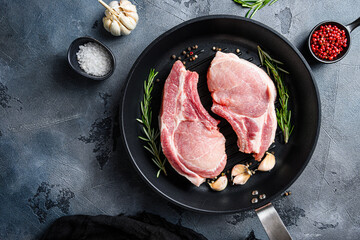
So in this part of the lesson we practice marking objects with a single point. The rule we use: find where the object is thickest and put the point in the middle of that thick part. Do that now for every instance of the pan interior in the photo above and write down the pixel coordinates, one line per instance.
(228, 33)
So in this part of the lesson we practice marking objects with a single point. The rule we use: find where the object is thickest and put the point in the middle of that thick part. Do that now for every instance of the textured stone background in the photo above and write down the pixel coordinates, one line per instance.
(58, 152)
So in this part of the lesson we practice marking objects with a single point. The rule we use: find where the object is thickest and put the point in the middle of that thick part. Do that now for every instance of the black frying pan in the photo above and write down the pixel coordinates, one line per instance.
(229, 33)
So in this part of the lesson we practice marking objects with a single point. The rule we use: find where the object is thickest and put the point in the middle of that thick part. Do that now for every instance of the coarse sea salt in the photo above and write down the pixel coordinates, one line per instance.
(94, 59)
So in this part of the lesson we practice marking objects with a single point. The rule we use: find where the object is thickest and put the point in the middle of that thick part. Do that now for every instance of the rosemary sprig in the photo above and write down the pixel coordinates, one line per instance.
(254, 5)
(151, 135)
(283, 115)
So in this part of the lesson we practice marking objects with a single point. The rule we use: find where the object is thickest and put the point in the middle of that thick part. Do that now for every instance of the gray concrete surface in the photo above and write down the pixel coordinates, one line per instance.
(56, 145)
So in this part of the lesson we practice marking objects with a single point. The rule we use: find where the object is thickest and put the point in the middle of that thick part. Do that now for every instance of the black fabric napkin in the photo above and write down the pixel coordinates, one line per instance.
(142, 226)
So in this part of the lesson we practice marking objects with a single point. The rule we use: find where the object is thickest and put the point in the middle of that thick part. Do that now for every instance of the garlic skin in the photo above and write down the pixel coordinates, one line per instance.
(122, 20)
(267, 163)
(220, 184)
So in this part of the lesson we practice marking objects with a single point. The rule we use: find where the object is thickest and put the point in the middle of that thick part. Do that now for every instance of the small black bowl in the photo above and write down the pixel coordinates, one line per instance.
(72, 59)
(345, 50)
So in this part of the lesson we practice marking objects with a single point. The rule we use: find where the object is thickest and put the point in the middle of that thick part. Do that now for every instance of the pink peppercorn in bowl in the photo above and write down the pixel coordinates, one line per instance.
(91, 58)
(329, 41)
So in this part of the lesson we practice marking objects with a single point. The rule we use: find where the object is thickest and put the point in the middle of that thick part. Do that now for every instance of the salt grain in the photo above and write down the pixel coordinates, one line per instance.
(94, 59)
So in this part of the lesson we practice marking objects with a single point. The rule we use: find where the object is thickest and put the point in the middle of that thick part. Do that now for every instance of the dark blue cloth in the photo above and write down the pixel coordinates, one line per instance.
(142, 226)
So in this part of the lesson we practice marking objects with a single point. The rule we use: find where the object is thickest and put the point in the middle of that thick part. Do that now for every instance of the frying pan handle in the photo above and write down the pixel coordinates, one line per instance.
(272, 223)
(353, 25)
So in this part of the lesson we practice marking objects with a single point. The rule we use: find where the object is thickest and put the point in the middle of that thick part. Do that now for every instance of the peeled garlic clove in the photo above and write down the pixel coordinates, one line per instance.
(220, 184)
(267, 163)
(115, 28)
(242, 178)
(238, 169)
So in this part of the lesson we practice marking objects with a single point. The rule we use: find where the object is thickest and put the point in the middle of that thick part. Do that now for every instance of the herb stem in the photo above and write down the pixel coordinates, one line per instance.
(283, 115)
(151, 135)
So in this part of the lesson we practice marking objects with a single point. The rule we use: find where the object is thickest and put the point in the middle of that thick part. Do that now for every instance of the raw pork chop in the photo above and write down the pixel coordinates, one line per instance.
(190, 138)
(244, 95)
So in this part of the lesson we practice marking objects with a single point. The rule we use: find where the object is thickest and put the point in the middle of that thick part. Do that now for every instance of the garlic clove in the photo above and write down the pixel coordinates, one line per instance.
(114, 4)
(125, 2)
(133, 15)
(238, 169)
(115, 28)
(267, 163)
(220, 184)
(242, 178)
(108, 14)
(128, 7)
(124, 30)
(106, 23)
(129, 23)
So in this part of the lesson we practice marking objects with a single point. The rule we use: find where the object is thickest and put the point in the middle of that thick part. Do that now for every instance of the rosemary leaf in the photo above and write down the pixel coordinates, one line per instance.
(283, 70)
(255, 10)
(156, 163)
(147, 132)
(272, 2)
(248, 12)
(276, 61)
(144, 139)
(283, 115)
(265, 53)
(264, 4)
(254, 5)
(151, 135)
(261, 57)
(157, 134)
(147, 148)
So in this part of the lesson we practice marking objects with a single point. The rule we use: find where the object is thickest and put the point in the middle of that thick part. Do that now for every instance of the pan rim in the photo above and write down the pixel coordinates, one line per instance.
(170, 31)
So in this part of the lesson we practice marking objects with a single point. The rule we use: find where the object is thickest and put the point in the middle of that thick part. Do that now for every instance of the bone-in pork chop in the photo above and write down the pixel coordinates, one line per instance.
(244, 95)
(190, 138)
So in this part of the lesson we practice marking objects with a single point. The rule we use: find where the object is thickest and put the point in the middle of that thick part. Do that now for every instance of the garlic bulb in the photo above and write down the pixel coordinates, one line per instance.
(120, 17)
